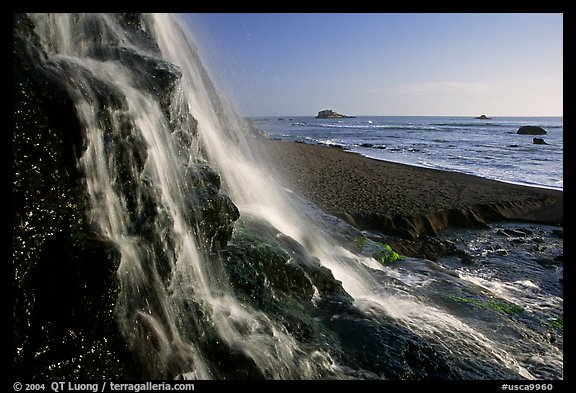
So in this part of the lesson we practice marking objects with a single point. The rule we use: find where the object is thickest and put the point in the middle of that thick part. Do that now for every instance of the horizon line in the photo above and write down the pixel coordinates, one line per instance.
(397, 115)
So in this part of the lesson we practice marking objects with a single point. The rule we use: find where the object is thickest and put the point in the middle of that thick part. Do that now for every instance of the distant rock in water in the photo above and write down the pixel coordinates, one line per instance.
(531, 130)
(330, 114)
(483, 117)
(539, 141)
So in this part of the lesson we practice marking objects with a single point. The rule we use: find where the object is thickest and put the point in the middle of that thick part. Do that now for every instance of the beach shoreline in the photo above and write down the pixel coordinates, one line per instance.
(403, 200)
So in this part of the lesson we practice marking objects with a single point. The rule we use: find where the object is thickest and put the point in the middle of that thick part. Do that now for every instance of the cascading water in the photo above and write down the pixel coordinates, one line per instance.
(164, 265)
(154, 129)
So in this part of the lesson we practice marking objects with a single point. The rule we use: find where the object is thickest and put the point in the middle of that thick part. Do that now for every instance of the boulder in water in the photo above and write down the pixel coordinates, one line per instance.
(539, 141)
(531, 130)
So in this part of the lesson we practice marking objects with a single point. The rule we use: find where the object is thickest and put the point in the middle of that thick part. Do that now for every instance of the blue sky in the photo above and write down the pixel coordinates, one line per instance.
(464, 64)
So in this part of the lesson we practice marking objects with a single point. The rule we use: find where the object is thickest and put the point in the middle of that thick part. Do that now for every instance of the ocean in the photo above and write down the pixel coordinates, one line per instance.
(489, 148)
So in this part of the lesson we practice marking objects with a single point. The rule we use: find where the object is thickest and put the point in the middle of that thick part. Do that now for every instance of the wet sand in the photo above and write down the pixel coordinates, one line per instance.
(404, 200)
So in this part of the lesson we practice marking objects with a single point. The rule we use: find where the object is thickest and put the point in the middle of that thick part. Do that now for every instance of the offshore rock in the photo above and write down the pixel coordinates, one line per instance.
(539, 141)
(531, 130)
(330, 114)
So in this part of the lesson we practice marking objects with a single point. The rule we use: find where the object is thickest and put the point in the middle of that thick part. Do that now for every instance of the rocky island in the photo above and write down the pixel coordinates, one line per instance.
(483, 117)
(330, 114)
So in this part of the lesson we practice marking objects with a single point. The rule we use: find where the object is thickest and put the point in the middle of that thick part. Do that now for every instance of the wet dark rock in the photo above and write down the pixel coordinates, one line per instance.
(212, 210)
(427, 247)
(160, 77)
(274, 274)
(366, 343)
(548, 263)
(467, 259)
(65, 285)
(268, 266)
(412, 227)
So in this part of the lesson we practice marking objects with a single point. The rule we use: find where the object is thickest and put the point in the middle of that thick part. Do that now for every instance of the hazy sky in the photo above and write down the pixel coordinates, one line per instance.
(498, 64)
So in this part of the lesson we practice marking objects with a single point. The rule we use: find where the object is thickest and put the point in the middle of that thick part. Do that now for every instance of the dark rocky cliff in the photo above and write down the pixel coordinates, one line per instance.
(64, 281)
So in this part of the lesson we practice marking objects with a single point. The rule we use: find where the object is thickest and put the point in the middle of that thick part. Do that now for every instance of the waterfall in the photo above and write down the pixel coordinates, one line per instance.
(169, 168)
(164, 267)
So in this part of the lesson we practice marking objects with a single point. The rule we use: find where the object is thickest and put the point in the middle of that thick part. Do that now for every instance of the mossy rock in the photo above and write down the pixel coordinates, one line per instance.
(556, 323)
(380, 251)
(503, 307)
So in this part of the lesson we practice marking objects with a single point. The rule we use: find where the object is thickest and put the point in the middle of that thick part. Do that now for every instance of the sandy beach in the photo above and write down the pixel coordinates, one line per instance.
(404, 200)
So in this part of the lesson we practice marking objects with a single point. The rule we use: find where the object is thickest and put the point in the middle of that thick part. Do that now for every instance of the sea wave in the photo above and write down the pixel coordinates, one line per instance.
(369, 126)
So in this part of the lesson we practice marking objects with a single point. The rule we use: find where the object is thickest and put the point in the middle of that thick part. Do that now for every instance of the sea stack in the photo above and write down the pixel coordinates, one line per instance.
(330, 114)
